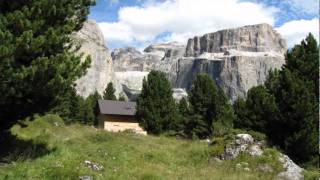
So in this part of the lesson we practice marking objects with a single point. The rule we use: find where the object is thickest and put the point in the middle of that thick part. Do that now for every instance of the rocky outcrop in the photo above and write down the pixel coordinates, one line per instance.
(292, 170)
(154, 57)
(237, 59)
(253, 38)
(131, 82)
(101, 71)
(245, 143)
(132, 66)
(235, 74)
(130, 59)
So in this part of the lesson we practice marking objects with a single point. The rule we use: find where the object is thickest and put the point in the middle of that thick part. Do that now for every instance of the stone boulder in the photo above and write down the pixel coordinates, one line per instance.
(291, 170)
(243, 143)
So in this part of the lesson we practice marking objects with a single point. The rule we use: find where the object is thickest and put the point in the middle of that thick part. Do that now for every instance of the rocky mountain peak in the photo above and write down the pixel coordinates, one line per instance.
(163, 46)
(101, 70)
(252, 38)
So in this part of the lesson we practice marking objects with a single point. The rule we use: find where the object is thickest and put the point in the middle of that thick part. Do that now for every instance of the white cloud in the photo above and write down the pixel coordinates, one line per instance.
(295, 31)
(183, 19)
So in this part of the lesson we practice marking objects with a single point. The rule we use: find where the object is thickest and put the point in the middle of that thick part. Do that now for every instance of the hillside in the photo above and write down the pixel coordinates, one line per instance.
(125, 155)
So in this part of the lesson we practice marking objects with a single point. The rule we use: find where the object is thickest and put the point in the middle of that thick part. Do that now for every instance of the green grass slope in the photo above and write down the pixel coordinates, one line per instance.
(123, 155)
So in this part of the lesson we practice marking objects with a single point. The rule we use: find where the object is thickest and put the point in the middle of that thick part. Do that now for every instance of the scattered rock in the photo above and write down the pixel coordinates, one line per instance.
(206, 141)
(86, 177)
(244, 139)
(56, 124)
(245, 143)
(240, 145)
(93, 166)
(292, 170)
(217, 160)
(255, 150)
(246, 169)
(265, 168)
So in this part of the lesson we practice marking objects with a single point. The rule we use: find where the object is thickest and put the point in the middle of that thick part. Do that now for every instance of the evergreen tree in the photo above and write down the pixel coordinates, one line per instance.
(240, 110)
(86, 114)
(121, 97)
(178, 125)
(209, 103)
(295, 88)
(183, 106)
(156, 109)
(258, 112)
(68, 105)
(37, 56)
(93, 100)
(109, 92)
(224, 114)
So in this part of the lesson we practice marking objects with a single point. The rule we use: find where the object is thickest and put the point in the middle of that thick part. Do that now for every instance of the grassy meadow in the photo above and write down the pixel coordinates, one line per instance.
(59, 152)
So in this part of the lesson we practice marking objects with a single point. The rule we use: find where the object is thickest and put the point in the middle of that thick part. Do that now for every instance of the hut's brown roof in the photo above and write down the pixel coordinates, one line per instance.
(117, 107)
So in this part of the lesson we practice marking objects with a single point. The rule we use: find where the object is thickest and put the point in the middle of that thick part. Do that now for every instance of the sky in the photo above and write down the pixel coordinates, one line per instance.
(139, 23)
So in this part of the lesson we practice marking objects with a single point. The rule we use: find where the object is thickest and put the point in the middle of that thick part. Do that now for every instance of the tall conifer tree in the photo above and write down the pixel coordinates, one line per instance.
(156, 109)
(37, 55)
(109, 92)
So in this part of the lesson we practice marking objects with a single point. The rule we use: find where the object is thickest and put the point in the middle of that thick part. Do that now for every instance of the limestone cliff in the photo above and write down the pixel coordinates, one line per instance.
(101, 70)
(154, 57)
(237, 59)
(131, 66)
(252, 38)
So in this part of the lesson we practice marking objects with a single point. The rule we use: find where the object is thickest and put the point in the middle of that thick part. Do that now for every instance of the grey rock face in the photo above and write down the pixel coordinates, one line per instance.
(129, 59)
(237, 59)
(101, 71)
(253, 38)
(132, 66)
(154, 57)
(235, 74)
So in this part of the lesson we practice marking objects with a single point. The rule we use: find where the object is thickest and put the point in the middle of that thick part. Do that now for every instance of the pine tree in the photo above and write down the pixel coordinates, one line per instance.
(258, 112)
(224, 115)
(37, 55)
(207, 101)
(156, 109)
(240, 110)
(85, 112)
(183, 106)
(93, 100)
(297, 96)
(109, 92)
(121, 97)
(68, 105)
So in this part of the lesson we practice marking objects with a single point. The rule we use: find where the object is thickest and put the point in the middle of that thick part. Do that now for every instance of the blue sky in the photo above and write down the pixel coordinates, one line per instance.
(142, 22)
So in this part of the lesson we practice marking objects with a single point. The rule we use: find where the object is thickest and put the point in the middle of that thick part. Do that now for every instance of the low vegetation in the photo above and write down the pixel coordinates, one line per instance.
(123, 155)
